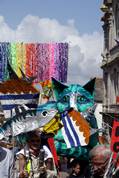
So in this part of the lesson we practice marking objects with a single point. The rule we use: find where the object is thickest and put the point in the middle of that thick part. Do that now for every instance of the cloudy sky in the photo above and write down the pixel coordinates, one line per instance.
(74, 21)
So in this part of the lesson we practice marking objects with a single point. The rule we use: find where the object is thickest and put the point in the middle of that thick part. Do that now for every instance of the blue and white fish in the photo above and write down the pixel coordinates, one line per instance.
(26, 121)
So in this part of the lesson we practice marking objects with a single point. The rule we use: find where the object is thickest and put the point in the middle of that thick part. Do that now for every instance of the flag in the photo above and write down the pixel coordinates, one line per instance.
(10, 101)
(76, 130)
(115, 138)
(17, 92)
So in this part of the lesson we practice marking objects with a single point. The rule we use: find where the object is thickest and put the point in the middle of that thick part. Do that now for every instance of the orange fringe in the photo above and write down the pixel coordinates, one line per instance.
(81, 123)
(17, 86)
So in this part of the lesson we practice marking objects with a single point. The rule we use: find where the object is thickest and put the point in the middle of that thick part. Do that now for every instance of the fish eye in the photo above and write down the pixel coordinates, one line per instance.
(44, 113)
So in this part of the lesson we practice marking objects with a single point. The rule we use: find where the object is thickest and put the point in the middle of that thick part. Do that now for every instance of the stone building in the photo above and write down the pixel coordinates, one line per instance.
(110, 61)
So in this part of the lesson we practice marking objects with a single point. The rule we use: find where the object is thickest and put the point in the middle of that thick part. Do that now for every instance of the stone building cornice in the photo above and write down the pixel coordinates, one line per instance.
(106, 16)
(112, 108)
(108, 2)
(113, 56)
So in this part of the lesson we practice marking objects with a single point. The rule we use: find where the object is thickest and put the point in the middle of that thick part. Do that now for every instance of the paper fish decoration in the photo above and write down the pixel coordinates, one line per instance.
(26, 121)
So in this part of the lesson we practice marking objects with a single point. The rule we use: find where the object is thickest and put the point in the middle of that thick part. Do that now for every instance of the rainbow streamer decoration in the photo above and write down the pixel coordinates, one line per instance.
(43, 60)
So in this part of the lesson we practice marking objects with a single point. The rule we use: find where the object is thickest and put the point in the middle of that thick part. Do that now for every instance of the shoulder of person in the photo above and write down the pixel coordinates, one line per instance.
(24, 151)
(8, 151)
(48, 153)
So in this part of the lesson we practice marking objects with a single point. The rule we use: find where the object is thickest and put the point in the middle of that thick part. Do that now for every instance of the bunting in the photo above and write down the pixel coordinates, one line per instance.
(43, 60)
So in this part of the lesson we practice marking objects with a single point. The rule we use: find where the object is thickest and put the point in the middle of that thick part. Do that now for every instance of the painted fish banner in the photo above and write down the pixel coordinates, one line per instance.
(25, 120)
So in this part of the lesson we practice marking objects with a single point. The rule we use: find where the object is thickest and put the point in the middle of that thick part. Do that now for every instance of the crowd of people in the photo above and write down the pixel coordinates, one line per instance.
(35, 160)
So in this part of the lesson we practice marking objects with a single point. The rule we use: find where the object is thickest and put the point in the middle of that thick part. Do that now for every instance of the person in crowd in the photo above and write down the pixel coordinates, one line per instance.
(63, 162)
(32, 158)
(6, 163)
(51, 169)
(99, 157)
(64, 171)
(79, 169)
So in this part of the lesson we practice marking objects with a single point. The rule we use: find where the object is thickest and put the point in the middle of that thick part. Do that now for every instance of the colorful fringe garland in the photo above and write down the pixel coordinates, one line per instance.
(43, 60)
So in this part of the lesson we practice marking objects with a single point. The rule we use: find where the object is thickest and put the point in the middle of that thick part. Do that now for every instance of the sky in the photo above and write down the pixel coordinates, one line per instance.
(74, 21)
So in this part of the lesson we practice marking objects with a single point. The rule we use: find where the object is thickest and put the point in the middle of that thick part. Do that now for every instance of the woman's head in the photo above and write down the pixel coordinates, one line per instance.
(76, 168)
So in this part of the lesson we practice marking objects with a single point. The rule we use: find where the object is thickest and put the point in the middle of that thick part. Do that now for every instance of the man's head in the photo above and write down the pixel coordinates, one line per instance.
(99, 157)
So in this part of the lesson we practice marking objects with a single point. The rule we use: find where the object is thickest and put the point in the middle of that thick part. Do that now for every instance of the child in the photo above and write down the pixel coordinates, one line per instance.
(31, 161)
(77, 171)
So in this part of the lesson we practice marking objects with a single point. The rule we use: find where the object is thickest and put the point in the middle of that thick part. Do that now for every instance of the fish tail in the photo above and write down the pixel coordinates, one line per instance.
(1, 134)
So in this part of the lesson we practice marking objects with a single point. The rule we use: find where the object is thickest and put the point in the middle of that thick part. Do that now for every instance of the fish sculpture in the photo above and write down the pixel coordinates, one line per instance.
(26, 121)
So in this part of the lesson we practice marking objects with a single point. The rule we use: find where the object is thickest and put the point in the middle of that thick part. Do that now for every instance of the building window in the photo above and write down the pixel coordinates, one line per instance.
(115, 80)
(117, 83)
(105, 77)
(117, 19)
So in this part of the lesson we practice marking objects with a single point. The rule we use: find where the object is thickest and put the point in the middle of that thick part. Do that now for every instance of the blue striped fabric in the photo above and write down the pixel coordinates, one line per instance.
(73, 137)
(10, 101)
(67, 131)
(18, 96)
(11, 106)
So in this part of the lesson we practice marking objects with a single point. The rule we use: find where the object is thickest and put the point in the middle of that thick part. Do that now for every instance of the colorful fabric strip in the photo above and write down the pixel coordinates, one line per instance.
(43, 60)
(18, 96)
